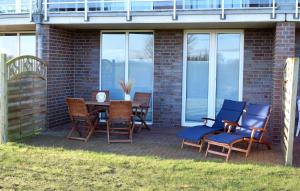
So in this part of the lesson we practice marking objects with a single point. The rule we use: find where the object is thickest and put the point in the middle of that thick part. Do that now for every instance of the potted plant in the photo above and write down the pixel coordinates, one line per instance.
(126, 88)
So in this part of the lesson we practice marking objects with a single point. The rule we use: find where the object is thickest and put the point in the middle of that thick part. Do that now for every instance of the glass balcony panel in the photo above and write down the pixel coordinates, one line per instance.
(7, 6)
(66, 5)
(205, 4)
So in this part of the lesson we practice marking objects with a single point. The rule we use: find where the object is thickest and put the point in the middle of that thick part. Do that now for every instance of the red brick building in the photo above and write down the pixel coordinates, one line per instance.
(189, 55)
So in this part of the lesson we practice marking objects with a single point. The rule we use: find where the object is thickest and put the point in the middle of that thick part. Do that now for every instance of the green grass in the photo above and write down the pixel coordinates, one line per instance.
(36, 168)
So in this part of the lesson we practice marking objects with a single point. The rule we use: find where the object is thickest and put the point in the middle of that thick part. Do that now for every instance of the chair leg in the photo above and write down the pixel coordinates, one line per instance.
(182, 144)
(208, 146)
(201, 143)
(267, 144)
(74, 128)
(107, 131)
(249, 148)
(228, 153)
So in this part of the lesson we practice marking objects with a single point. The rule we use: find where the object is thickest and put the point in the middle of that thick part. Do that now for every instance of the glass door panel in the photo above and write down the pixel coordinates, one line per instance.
(27, 42)
(198, 46)
(9, 45)
(228, 66)
(140, 64)
(113, 63)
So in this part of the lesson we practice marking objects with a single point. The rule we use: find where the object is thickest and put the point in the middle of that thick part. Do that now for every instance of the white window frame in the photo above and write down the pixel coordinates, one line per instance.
(212, 81)
(18, 35)
(126, 32)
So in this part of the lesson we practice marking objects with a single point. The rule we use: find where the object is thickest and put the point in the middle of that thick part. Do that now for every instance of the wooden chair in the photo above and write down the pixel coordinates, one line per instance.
(141, 112)
(120, 121)
(81, 118)
(254, 125)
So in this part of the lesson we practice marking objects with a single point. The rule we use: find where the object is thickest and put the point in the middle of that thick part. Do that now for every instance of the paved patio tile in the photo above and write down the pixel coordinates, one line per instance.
(159, 142)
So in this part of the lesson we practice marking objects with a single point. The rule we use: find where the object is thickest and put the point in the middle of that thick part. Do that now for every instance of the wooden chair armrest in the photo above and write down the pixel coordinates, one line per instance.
(93, 112)
(207, 119)
(231, 123)
(257, 129)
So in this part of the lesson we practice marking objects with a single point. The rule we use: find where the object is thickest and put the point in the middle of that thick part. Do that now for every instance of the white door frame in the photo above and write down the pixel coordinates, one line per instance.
(126, 32)
(212, 70)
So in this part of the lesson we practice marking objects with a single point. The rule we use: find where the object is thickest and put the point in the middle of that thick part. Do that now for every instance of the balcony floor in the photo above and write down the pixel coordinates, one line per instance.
(159, 142)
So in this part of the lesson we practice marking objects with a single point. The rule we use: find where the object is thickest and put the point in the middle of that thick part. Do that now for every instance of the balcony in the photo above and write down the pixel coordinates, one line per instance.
(172, 6)
(149, 11)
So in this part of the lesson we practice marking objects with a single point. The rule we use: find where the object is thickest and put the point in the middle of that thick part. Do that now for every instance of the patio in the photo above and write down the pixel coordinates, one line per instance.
(159, 142)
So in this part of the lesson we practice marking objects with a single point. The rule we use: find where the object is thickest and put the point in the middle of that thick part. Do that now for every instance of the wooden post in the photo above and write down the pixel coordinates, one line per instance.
(289, 107)
(3, 99)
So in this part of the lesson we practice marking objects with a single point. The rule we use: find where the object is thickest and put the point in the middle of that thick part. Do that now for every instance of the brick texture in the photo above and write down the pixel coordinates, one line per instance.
(258, 61)
(87, 62)
(168, 59)
(284, 47)
(297, 44)
(59, 53)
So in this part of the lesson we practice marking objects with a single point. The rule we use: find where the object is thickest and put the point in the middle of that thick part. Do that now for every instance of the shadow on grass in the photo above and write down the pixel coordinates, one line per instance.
(158, 143)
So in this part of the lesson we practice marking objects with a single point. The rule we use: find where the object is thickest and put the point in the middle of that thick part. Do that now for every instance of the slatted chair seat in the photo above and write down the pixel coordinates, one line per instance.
(140, 114)
(81, 118)
(231, 110)
(120, 121)
(254, 125)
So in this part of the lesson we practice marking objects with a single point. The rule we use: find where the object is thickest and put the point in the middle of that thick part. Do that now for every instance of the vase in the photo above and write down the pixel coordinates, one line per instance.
(101, 97)
(127, 97)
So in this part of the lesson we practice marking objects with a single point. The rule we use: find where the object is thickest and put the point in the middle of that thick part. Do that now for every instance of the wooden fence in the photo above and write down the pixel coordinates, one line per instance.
(289, 107)
(25, 106)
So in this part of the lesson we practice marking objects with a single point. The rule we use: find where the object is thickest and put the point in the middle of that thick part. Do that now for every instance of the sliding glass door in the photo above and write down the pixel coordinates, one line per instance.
(127, 56)
(212, 73)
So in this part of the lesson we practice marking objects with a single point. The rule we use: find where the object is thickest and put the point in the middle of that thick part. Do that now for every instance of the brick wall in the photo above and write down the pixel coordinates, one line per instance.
(168, 64)
(87, 62)
(284, 47)
(58, 52)
(258, 61)
(298, 54)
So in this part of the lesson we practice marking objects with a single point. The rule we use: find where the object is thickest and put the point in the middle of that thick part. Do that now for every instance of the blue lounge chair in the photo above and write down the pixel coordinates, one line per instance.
(231, 111)
(254, 125)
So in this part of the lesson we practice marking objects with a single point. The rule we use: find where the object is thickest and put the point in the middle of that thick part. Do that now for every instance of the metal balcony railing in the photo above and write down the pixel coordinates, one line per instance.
(86, 6)
(129, 6)
(17, 7)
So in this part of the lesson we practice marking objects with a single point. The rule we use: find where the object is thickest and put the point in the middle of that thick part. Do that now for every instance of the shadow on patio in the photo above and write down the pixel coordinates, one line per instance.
(159, 142)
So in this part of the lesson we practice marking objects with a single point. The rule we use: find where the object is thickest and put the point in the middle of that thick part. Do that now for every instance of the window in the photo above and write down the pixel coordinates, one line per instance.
(212, 73)
(17, 44)
(127, 56)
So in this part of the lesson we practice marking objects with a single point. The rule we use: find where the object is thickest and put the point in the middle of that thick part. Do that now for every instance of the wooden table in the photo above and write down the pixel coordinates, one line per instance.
(135, 105)
(107, 103)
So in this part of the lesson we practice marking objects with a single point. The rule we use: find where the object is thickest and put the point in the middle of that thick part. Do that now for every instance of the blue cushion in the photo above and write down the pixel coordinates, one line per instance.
(226, 138)
(256, 116)
(197, 133)
(231, 111)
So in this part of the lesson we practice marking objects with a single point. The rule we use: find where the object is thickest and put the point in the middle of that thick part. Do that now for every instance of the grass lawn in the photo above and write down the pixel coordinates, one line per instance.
(35, 168)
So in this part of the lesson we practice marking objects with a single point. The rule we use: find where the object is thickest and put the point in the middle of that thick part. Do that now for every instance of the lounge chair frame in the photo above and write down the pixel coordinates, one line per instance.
(230, 147)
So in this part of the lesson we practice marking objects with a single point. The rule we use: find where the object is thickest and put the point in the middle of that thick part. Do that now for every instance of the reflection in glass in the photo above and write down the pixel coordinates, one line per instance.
(113, 64)
(140, 62)
(27, 44)
(228, 60)
(9, 45)
(197, 77)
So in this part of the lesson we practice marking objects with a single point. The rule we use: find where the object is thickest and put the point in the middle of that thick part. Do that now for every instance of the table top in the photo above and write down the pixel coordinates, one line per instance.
(107, 103)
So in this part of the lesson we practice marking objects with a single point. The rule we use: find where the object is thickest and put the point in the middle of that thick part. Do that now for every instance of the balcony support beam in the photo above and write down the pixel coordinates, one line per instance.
(296, 16)
(128, 15)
